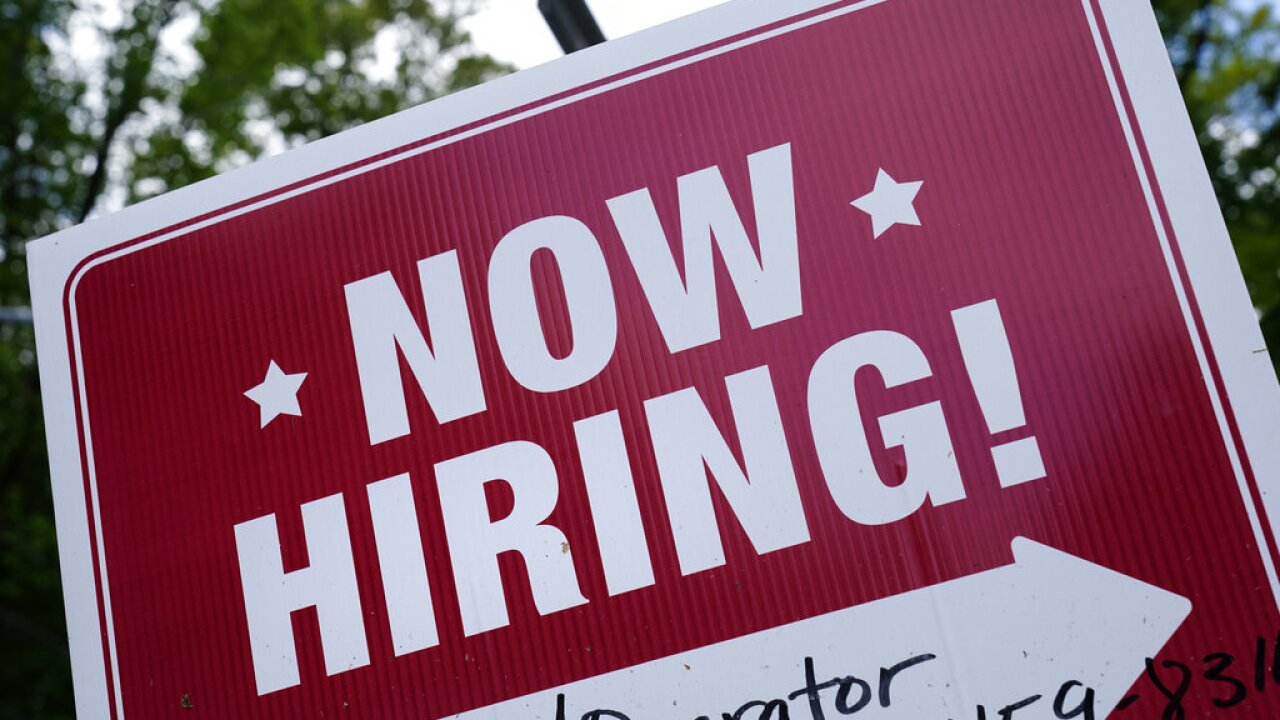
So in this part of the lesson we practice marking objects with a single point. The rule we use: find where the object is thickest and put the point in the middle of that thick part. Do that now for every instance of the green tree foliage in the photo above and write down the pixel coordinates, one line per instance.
(1227, 57)
(264, 75)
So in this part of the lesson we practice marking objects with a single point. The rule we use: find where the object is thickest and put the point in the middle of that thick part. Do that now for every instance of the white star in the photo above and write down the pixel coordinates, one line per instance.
(890, 203)
(277, 394)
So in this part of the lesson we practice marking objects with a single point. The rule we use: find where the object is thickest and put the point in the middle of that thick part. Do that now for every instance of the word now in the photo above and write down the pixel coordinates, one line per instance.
(686, 310)
(689, 447)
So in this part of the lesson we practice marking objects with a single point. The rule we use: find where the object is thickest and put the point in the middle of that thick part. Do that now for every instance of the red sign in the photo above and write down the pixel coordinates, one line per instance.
(717, 371)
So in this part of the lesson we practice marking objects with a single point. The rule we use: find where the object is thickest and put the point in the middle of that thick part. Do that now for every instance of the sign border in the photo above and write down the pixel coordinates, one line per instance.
(1211, 293)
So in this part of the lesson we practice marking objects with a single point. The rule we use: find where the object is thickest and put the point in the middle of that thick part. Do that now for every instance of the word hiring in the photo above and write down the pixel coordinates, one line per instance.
(690, 450)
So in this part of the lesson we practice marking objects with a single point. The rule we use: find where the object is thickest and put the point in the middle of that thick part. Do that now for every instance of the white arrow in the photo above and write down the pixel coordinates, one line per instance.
(997, 637)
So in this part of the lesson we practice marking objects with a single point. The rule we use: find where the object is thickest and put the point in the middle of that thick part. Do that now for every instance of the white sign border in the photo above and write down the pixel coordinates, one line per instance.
(1216, 283)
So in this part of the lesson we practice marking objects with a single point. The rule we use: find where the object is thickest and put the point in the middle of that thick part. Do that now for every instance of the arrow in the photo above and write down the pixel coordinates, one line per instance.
(998, 637)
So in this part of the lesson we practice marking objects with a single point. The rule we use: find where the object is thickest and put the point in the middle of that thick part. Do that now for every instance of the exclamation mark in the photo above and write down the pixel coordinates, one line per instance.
(989, 362)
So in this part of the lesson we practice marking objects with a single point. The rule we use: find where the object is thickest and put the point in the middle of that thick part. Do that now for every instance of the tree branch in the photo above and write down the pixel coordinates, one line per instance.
(98, 179)
(134, 73)
(1196, 43)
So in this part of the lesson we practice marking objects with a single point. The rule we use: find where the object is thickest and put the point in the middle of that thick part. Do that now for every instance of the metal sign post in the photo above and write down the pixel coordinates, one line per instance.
(572, 23)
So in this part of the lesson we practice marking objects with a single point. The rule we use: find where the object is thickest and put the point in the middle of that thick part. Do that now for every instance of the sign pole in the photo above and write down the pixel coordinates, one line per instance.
(572, 23)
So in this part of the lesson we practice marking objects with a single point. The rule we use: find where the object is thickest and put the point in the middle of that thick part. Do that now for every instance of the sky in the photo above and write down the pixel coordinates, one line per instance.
(514, 31)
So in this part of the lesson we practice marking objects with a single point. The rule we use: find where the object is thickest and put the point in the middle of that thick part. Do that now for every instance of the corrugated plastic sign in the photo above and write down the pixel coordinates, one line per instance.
(884, 359)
